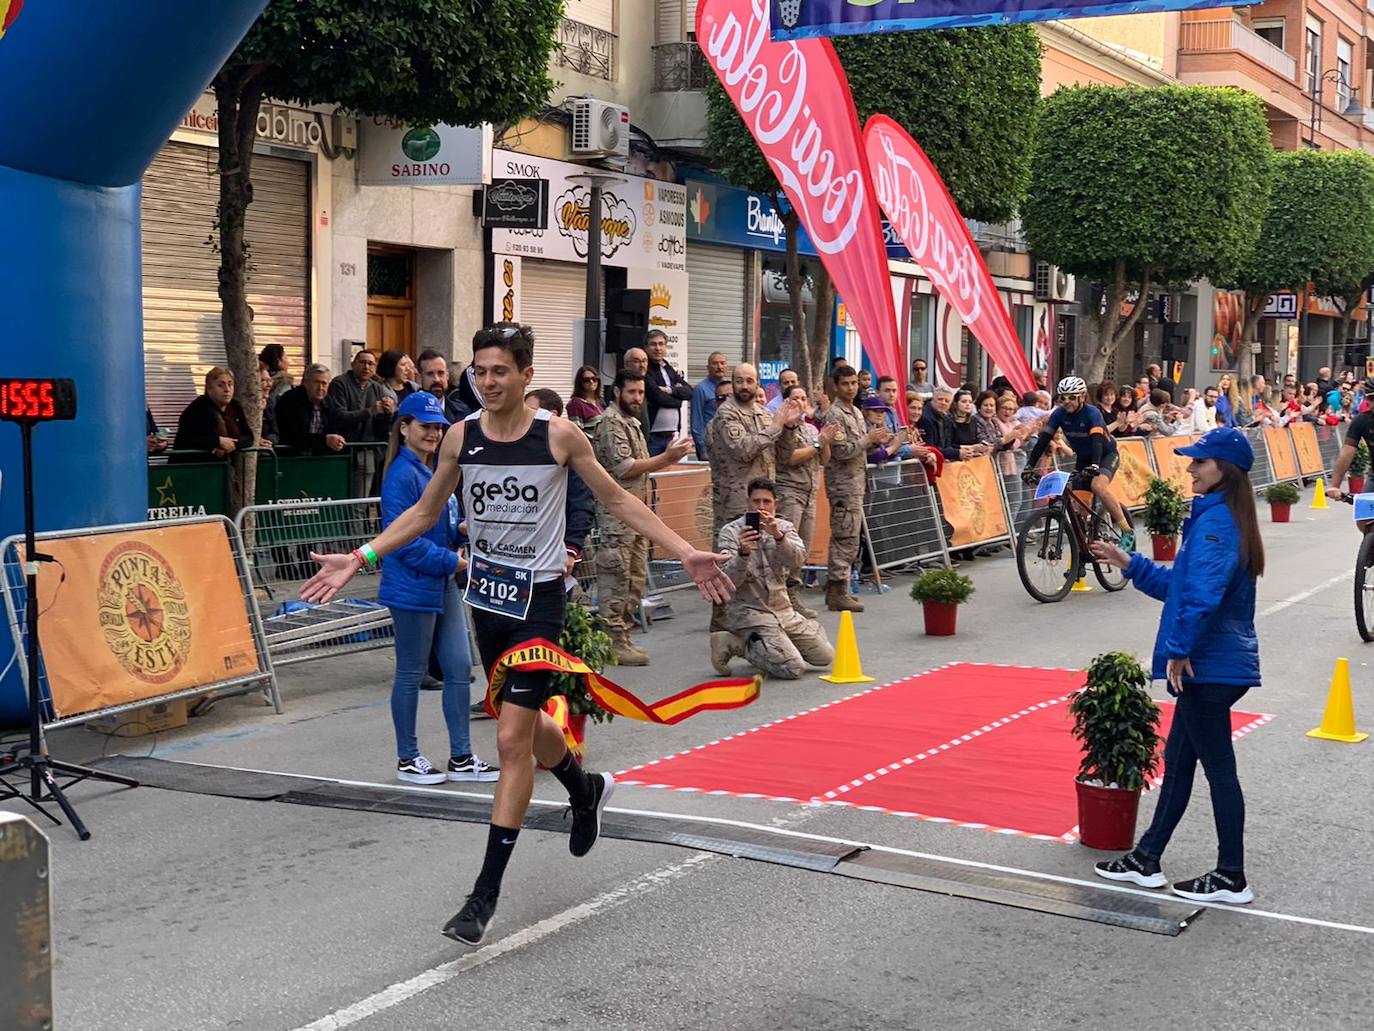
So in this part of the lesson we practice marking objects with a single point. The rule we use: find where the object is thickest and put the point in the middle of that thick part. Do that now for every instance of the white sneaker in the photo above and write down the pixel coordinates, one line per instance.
(418, 771)
(471, 768)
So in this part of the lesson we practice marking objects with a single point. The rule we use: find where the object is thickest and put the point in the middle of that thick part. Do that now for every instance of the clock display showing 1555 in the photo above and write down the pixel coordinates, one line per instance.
(29, 399)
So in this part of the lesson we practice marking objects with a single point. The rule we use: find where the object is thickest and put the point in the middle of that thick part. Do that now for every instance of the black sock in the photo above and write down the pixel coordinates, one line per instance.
(500, 844)
(571, 775)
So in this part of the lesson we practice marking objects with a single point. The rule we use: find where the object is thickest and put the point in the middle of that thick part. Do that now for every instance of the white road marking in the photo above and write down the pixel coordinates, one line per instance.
(394, 995)
(1302, 596)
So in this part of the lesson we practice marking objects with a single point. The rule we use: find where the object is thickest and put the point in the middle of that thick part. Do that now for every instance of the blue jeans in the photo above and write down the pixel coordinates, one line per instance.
(447, 634)
(1201, 732)
(658, 442)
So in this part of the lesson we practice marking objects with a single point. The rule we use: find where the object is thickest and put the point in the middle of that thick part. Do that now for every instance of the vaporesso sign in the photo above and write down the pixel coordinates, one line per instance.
(394, 154)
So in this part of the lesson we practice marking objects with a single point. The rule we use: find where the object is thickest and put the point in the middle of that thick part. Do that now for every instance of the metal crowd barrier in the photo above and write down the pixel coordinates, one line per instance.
(681, 497)
(1329, 441)
(278, 540)
(1261, 473)
(902, 521)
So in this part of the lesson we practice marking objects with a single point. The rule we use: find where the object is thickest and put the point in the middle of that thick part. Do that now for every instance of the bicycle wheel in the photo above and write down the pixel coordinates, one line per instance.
(1364, 589)
(1047, 555)
(1111, 578)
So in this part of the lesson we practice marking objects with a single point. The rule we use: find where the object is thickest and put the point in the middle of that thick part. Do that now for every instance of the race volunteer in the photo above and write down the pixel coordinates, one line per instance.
(1086, 432)
(1361, 428)
(513, 463)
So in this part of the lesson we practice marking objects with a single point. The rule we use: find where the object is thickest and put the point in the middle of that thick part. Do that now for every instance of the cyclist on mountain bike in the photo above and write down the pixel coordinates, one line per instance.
(1086, 432)
(1361, 428)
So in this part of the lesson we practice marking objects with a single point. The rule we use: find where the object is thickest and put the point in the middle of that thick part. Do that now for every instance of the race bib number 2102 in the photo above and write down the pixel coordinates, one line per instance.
(499, 588)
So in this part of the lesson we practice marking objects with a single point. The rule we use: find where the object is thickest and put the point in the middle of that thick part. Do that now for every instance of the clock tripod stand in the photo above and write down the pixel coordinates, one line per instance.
(28, 407)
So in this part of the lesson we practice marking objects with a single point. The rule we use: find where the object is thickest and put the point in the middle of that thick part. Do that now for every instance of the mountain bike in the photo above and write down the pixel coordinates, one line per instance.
(1052, 551)
(1364, 578)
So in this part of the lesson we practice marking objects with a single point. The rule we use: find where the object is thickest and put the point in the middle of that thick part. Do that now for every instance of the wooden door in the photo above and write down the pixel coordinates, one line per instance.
(390, 299)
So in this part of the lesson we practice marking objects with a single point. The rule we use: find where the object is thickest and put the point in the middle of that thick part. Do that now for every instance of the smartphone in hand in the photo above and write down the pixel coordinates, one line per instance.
(751, 520)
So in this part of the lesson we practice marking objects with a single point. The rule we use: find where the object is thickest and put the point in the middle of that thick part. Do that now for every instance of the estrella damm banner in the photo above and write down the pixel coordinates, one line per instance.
(805, 19)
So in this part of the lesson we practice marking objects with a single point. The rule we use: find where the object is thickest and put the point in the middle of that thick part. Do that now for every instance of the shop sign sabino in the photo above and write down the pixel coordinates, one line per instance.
(393, 154)
(643, 221)
(278, 124)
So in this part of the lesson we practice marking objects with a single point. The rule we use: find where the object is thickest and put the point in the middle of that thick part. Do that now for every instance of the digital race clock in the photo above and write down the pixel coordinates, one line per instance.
(37, 400)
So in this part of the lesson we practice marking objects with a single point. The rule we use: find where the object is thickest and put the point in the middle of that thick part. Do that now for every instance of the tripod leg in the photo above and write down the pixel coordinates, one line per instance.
(56, 793)
(86, 773)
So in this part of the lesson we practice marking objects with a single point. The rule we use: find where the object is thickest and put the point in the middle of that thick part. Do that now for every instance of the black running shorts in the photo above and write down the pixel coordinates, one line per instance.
(1107, 467)
(497, 635)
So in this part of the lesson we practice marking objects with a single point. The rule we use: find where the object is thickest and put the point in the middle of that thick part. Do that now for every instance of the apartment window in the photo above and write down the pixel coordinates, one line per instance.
(1313, 57)
(1344, 63)
(1270, 29)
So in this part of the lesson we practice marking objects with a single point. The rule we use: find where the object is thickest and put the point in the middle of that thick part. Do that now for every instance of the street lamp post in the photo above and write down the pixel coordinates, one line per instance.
(591, 320)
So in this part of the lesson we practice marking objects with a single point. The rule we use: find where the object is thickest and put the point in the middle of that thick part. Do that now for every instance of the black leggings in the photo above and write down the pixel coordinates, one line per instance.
(1201, 732)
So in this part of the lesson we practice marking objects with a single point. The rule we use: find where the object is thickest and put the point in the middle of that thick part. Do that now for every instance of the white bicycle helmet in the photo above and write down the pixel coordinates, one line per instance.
(1070, 385)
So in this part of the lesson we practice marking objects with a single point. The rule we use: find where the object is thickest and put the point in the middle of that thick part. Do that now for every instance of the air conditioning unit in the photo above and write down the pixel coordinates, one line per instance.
(1052, 283)
(600, 129)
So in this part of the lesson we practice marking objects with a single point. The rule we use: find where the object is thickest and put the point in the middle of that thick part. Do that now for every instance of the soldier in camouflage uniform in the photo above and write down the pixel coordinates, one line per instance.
(800, 453)
(622, 557)
(741, 439)
(760, 622)
(844, 487)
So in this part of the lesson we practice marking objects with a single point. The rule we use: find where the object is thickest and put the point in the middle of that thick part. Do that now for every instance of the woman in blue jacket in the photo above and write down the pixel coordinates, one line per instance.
(1207, 652)
(420, 589)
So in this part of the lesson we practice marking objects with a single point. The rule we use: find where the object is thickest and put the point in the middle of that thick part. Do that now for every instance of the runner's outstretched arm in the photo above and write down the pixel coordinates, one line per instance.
(337, 570)
(702, 566)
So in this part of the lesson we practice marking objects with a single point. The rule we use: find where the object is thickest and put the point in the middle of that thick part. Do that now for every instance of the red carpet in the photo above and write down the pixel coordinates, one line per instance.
(972, 744)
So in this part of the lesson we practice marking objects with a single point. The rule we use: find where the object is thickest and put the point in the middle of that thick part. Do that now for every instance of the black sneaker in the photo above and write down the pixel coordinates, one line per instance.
(469, 924)
(586, 825)
(1133, 867)
(470, 768)
(1216, 887)
(478, 711)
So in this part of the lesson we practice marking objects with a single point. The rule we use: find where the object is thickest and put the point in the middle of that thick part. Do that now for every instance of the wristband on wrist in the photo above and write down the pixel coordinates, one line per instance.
(367, 558)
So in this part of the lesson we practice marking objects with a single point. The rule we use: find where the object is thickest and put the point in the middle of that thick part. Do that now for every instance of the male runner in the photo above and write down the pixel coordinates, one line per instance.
(1086, 431)
(1361, 428)
(513, 463)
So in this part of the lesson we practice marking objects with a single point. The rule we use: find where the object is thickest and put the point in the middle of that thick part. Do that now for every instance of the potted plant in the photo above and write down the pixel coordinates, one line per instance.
(1117, 722)
(941, 592)
(1359, 465)
(582, 636)
(1281, 497)
(1165, 508)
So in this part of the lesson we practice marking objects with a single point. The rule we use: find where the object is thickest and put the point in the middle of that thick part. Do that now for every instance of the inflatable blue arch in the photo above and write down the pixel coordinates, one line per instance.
(89, 91)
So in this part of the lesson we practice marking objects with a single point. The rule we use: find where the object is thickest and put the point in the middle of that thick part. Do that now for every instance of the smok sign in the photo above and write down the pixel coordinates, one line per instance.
(393, 154)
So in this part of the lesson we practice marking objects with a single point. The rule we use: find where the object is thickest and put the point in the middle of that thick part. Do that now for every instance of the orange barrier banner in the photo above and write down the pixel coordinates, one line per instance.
(1133, 473)
(1304, 436)
(818, 547)
(128, 617)
(682, 499)
(1171, 466)
(972, 501)
(1282, 458)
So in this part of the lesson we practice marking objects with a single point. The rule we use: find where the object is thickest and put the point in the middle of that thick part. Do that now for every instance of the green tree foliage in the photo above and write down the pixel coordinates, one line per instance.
(1136, 188)
(416, 61)
(967, 96)
(1318, 228)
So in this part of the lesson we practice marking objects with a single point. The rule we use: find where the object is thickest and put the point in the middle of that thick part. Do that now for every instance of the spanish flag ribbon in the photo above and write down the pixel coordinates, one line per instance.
(539, 654)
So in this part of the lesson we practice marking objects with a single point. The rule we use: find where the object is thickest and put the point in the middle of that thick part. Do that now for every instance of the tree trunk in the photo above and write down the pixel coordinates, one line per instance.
(801, 349)
(1109, 329)
(821, 326)
(238, 98)
(1349, 303)
(1249, 336)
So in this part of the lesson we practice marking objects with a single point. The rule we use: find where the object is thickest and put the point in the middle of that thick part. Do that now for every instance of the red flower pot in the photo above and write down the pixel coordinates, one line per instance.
(577, 726)
(940, 618)
(1278, 513)
(1165, 548)
(1355, 484)
(1106, 817)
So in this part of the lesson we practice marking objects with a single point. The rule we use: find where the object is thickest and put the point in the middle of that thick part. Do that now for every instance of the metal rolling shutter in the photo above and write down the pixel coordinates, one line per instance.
(552, 300)
(181, 307)
(715, 305)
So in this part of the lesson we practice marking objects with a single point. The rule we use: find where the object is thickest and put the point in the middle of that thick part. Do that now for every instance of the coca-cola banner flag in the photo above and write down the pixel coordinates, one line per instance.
(795, 99)
(922, 212)
(807, 19)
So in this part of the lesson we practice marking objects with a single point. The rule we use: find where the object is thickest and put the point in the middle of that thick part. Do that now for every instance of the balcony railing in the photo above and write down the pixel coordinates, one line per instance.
(681, 66)
(1204, 37)
(586, 49)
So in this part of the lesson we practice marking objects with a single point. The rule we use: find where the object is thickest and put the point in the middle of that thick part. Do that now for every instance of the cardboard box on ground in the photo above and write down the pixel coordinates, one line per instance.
(145, 720)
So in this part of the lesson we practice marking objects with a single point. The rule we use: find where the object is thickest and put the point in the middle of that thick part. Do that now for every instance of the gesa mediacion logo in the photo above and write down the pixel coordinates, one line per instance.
(143, 613)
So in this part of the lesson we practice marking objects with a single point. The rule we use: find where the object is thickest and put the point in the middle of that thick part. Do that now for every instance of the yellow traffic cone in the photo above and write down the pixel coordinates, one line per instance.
(847, 669)
(1081, 586)
(1338, 721)
(1319, 495)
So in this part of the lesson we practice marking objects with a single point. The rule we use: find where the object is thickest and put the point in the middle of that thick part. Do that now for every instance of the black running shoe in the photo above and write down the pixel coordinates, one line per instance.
(586, 825)
(1216, 887)
(469, 924)
(1133, 867)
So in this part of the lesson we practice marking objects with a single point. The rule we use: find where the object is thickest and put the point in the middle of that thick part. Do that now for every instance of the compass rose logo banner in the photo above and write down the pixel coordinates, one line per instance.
(129, 617)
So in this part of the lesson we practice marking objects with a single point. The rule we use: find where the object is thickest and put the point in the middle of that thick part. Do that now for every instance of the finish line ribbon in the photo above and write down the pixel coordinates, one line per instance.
(539, 654)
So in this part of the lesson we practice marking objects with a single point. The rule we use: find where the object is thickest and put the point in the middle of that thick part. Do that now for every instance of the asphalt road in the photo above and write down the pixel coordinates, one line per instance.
(189, 912)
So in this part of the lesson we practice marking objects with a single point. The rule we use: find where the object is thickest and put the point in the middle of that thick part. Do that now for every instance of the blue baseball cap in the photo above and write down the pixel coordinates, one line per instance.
(1228, 445)
(422, 406)
(874, 403)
